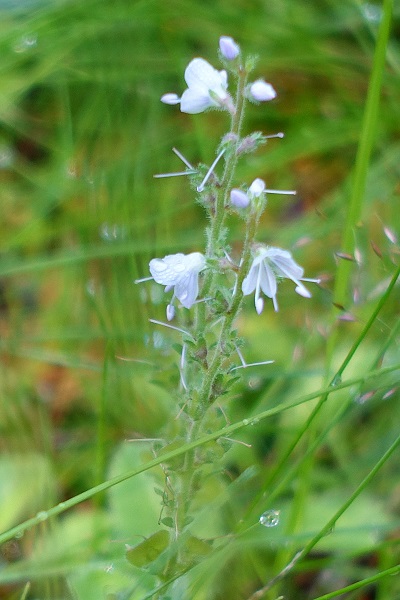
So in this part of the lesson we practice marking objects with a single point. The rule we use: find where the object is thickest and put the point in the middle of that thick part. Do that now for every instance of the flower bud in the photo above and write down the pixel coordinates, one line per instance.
(257, 188)
(239, 198)
(170, 312)
(229, 48)
(170, 99)
(262, 91)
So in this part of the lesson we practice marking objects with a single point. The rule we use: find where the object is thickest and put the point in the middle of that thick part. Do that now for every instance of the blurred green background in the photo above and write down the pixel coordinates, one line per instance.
(82, 132)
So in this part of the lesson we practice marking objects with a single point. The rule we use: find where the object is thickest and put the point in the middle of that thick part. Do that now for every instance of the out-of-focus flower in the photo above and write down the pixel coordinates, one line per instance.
(206, 89)
(262, 91)
(229, 48)
(268, 266)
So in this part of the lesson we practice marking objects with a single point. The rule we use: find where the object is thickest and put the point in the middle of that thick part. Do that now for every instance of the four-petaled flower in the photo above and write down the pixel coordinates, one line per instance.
(269, 265)
(206, 89)
(180, 272)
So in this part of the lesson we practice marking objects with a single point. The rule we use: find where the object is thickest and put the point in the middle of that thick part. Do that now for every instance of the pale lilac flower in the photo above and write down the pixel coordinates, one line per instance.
(229, 48)
(180, 272)
(269, 265)
(206, 89)
(262, 91)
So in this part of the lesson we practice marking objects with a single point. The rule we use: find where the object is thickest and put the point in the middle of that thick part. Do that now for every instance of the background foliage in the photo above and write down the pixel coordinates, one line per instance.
(82, 131)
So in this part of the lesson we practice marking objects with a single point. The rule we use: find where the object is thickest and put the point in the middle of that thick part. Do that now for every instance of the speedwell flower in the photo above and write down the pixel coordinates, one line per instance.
(179, 272)
(269, 265)
(206, 89)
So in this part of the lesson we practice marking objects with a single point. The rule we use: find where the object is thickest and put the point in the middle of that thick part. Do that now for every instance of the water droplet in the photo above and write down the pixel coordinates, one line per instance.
(245, 421)
(19, 535)
(26, 42)
(42, 515)
(270, 518)
(337, 380)
(371, 12)
(61, 505)
(111, 232)
(91, 287)
(7, 157)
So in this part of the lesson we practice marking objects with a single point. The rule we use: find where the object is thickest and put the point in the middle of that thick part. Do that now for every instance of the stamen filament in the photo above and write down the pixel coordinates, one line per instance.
(201, 187)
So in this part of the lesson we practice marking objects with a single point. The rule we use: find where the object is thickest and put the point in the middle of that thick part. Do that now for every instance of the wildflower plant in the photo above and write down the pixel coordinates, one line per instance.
(211, 284)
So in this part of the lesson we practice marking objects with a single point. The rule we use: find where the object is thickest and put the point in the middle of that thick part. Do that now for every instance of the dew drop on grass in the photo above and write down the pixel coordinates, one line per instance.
(270, 518)
(42, 515)
(245, 421)
(26, 42)
(337, 380)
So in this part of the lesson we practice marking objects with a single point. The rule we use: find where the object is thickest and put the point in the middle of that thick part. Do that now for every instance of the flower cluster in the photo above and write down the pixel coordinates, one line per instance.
(208, 88)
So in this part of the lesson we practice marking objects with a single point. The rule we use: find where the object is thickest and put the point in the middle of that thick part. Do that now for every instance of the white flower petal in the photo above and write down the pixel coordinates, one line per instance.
(194, 102)
(303, 291)
(167, 270)
(187, 288)
(285, 263)
(250, 281)
(200, 73)
(268, 280)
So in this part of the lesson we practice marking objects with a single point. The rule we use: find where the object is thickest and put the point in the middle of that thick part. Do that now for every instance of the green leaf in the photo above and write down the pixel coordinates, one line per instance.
(146, 552)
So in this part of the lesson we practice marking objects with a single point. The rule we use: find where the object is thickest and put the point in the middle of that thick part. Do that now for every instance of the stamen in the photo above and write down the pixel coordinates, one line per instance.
(182, 367)
(201, 187)
(183, 159)
(177, 174)
(286, 192)
(171, 327)
(275, 135)
(256, 364)
(240, 356)
(236, 442)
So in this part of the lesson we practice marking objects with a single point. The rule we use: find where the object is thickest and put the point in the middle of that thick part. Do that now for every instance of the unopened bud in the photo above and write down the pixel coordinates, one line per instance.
(170, 99)
(229, 48)
(239, 198)
(170, 312)
(262, 91)
(257, 188)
